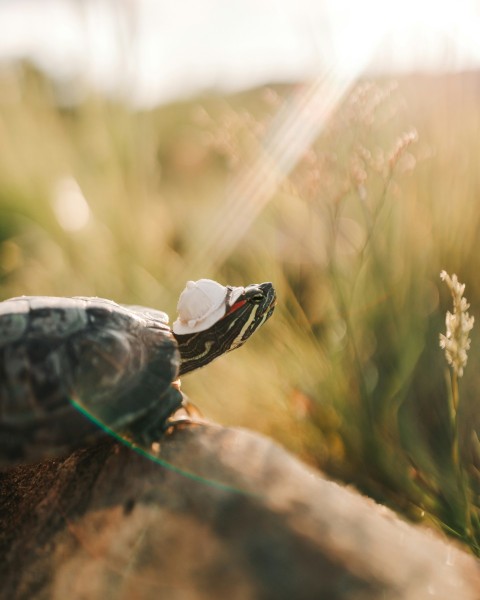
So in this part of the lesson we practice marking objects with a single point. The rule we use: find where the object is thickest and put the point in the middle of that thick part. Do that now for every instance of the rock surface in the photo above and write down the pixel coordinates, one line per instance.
(232, 516)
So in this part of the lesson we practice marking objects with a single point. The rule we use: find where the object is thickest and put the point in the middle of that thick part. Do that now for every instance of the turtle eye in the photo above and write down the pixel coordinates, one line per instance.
(256, 299)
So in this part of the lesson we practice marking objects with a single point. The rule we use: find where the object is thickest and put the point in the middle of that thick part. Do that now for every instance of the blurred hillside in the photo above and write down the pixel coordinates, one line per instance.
(99, 199)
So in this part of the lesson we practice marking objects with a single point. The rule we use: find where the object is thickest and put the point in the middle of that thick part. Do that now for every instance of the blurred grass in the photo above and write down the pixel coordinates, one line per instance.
(348, 373)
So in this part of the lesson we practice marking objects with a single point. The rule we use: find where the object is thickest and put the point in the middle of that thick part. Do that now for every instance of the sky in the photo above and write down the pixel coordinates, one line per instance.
(154, 51)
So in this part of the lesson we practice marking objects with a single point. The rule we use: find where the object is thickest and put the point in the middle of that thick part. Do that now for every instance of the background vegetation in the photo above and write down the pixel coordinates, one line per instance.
(348, 373)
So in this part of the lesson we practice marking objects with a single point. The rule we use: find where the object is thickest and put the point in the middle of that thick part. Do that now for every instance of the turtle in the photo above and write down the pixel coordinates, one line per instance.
(119, 363)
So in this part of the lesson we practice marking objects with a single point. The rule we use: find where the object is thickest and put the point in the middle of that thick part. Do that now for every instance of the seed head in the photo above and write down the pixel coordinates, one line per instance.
(456, 342)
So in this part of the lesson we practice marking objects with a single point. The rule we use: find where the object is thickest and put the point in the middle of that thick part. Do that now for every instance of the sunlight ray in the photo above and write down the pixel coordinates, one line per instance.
(297, 124)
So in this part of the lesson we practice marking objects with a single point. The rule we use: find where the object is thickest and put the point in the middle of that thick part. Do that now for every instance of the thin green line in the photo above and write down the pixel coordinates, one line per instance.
(146, 454)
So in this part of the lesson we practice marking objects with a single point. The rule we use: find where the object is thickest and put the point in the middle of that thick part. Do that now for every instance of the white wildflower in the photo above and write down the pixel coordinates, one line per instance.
(456, 342)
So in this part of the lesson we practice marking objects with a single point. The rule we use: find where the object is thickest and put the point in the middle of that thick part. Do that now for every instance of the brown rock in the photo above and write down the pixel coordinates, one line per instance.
(232, 516)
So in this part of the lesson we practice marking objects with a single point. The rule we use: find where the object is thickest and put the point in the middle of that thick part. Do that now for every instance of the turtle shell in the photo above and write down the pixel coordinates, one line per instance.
(116, 362)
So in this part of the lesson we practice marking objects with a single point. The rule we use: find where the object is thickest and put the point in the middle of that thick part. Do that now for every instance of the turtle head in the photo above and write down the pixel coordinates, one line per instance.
(213, 319)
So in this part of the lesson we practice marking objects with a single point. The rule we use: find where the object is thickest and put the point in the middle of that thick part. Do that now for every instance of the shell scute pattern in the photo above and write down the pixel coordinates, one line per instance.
(12, 328)
(40, 316)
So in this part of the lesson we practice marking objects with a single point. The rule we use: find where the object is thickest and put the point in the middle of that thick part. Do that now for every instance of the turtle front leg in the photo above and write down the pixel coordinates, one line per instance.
(187, 414)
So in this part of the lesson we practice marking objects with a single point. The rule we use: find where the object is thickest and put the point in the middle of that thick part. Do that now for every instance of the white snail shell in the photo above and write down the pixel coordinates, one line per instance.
(201, 304)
